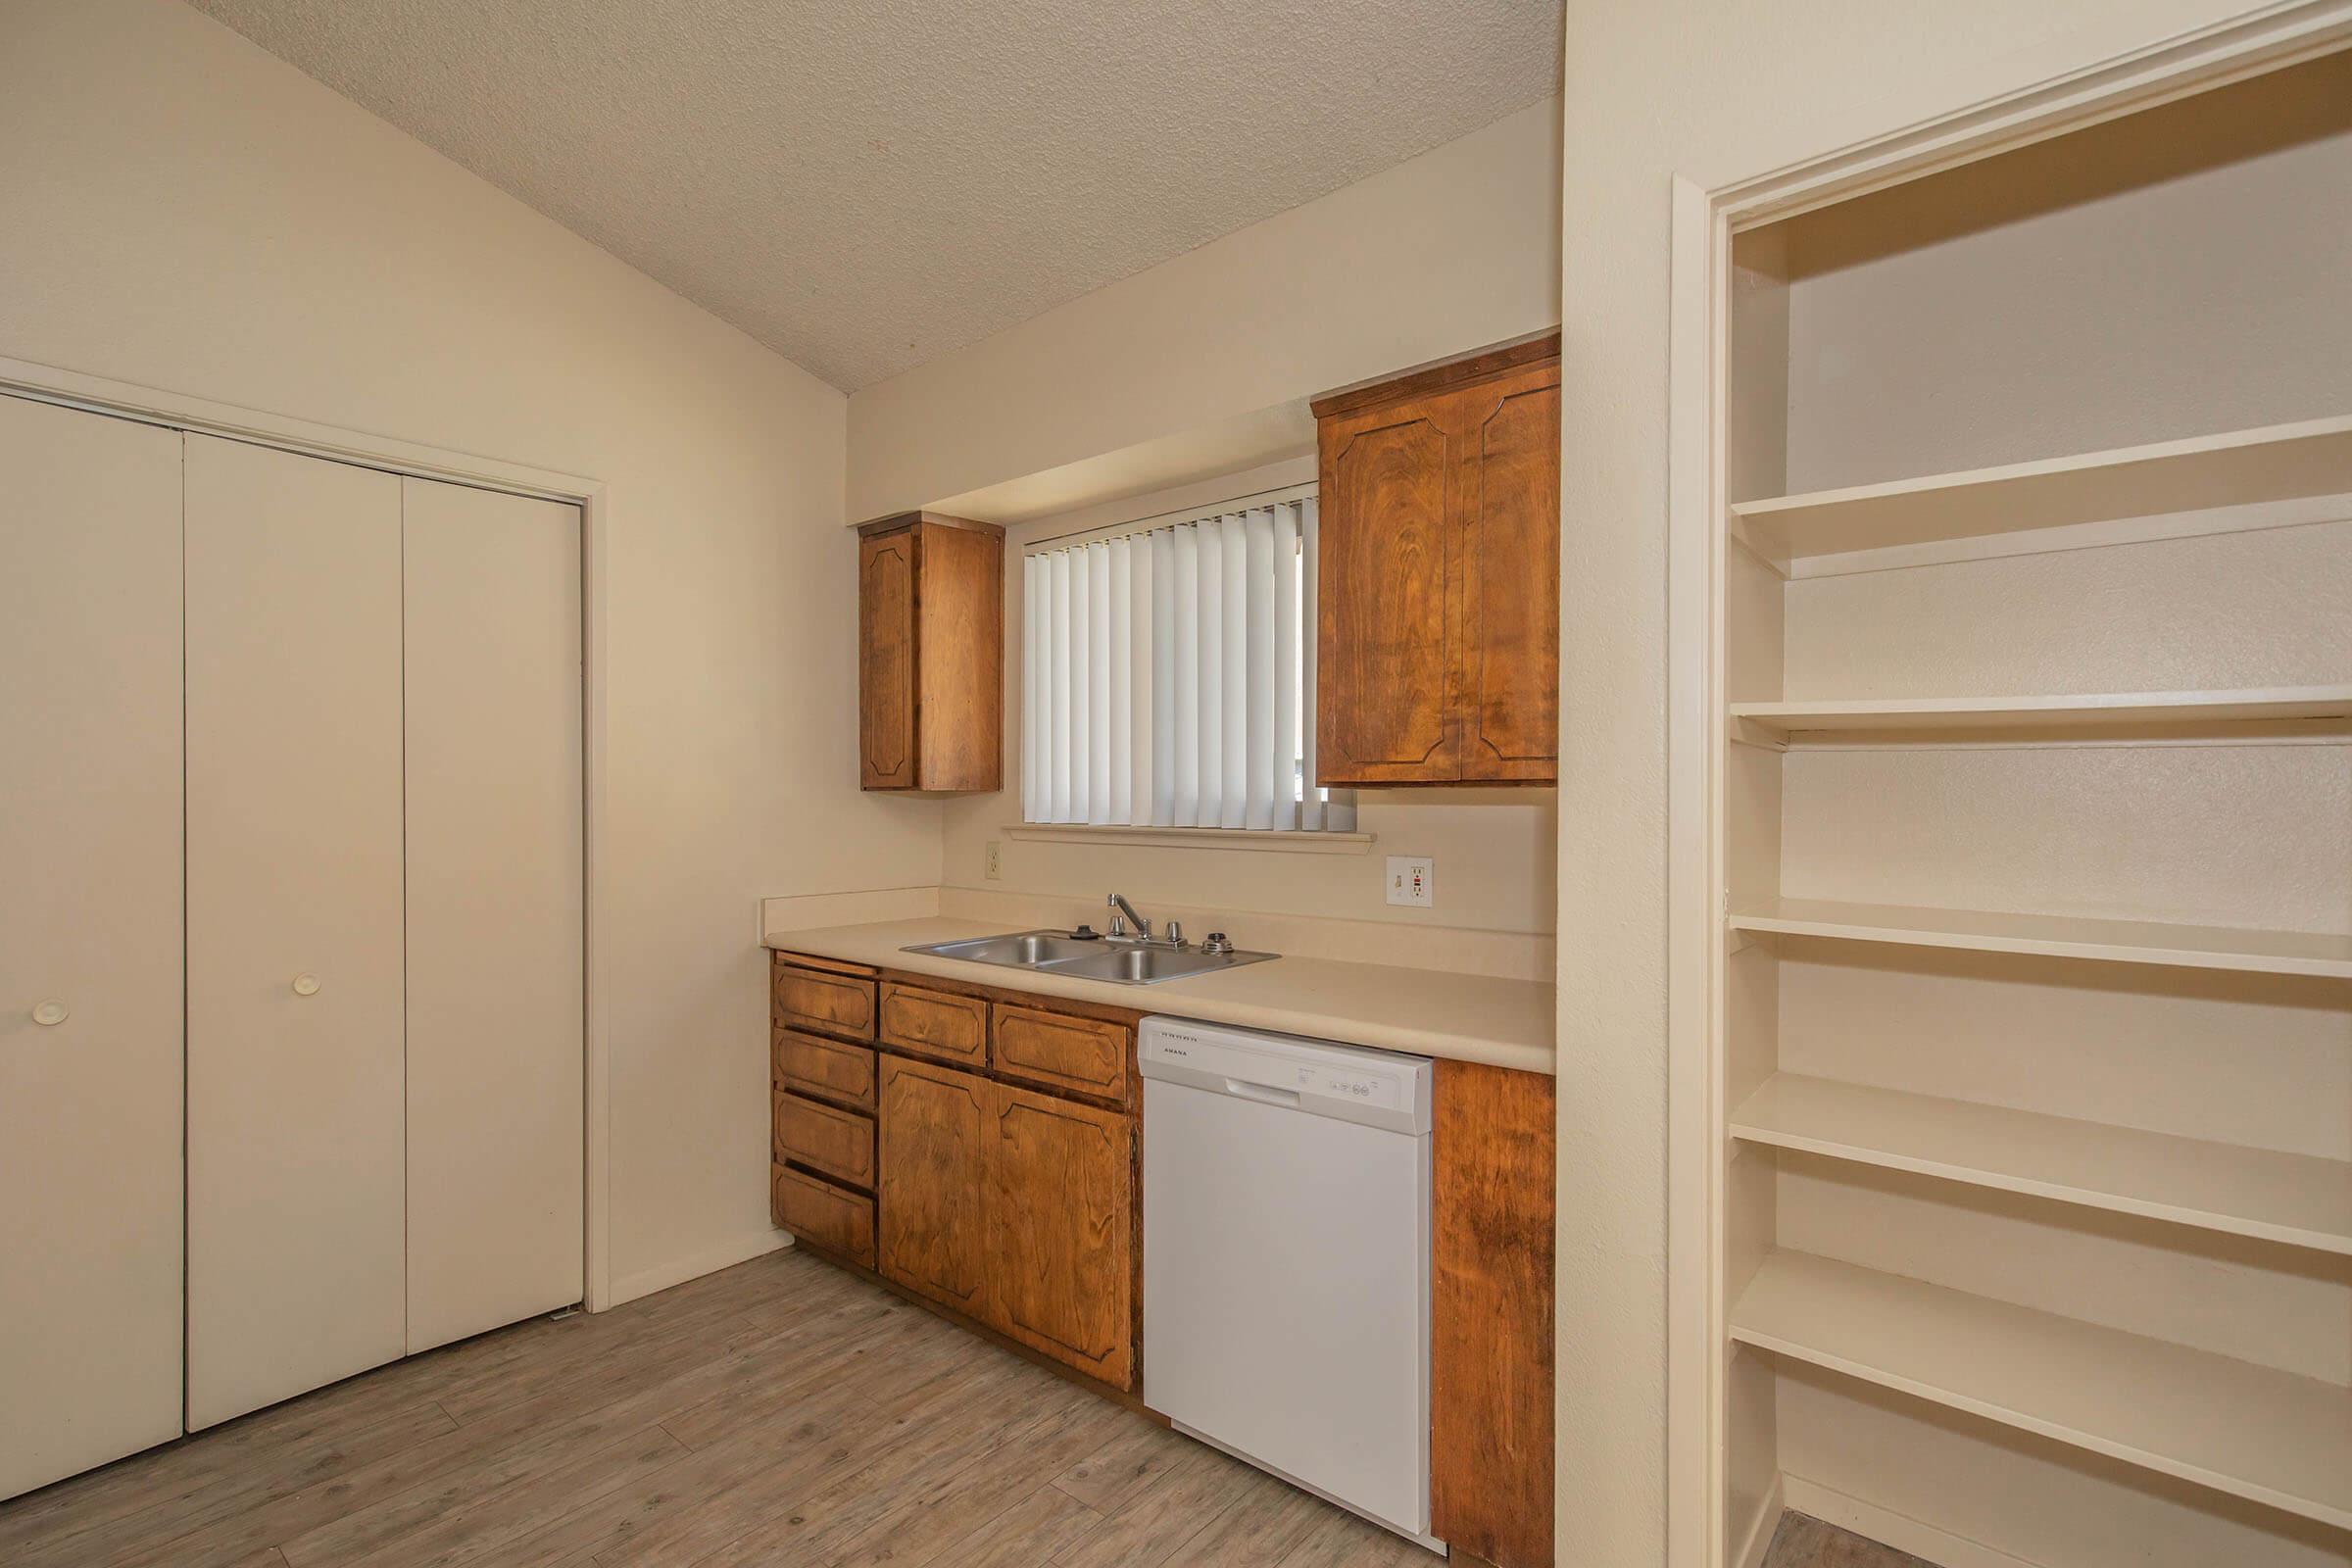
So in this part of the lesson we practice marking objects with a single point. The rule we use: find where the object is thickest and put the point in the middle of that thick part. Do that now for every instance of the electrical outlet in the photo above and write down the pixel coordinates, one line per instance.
(992, 864)
(1413, 880)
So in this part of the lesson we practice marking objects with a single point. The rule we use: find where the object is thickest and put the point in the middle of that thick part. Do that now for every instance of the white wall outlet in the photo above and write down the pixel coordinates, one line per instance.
(1413, 880)
(991, 863)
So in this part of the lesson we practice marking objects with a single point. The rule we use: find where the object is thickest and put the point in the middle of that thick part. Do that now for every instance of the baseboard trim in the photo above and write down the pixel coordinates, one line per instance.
(1888, 1528)
(678, 1271)
(1759, 1529)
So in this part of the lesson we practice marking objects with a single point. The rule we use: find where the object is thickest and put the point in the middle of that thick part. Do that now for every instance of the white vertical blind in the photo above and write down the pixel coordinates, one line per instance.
(1171, 678)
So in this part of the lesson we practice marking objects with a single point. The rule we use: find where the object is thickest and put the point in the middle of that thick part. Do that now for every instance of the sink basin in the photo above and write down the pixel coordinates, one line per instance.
(1145, 966)
(1122, 964)
(1023, 949)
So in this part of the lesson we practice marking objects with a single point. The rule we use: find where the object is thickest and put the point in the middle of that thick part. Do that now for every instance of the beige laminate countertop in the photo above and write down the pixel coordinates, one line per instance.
(1431, 1013)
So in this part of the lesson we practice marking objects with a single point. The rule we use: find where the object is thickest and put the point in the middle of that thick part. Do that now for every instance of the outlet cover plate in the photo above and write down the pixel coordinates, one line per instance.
(1413, 880)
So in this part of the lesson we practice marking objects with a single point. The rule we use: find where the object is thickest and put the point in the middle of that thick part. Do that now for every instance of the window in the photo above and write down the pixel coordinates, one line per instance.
(1168, 677)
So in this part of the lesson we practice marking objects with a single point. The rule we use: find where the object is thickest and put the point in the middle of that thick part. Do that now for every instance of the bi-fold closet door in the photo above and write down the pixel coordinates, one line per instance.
(89, 941)
(369, 1133)
(384, 981)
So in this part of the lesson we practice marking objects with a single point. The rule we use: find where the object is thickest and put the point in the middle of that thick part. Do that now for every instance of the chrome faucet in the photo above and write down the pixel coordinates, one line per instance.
(1143, 927)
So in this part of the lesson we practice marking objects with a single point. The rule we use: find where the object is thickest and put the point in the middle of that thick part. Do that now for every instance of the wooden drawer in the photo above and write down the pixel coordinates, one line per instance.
(1080, 1055)
(829, 1004)
(823, 1215)
(825, 1069)
(932, 1023)
(839, 1142)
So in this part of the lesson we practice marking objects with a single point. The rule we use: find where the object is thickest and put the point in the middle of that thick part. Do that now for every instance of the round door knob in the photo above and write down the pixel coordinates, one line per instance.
(306, 985)
(46, 1013)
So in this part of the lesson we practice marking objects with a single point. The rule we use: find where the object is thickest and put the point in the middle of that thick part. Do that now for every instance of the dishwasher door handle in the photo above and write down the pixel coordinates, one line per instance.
(1288, 1098)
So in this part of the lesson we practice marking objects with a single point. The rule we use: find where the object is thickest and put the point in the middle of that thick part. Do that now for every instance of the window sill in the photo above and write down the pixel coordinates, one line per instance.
(1264, 841)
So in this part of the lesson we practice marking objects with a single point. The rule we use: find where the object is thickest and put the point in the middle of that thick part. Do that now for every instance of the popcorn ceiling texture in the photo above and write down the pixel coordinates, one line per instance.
(865, 186)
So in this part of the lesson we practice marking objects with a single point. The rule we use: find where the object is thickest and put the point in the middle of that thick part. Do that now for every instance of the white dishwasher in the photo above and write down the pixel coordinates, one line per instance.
(1287, 1258)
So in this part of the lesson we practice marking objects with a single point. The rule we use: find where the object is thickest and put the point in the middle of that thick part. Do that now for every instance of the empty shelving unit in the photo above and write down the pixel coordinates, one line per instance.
(2031, 794)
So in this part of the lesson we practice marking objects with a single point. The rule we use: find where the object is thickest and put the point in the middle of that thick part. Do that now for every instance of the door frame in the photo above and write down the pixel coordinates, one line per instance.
(123, 400)
(1700, 284)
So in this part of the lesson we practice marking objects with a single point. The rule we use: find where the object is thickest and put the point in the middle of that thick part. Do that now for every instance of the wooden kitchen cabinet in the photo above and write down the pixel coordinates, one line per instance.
(930, 653)
(1492, 1303)
(923, 1022)
(1438, 574)
(823, 1002)
(933, 1177)
(1004, 1190)
(1064, 1197)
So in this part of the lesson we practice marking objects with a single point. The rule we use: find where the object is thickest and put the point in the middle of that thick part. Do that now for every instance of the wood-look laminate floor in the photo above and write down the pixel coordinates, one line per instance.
(1801, 1541)
(780, 1413)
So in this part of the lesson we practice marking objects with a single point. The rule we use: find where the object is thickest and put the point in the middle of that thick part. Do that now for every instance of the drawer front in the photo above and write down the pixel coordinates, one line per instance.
(839, 1142)
(932, 1023)
(829, 1004)
(823, 1215)
(1083, 1055)
(827, 1069)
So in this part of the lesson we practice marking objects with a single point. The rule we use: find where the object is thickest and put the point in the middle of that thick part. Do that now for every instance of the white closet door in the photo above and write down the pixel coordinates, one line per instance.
(295, 1245)
(89, 941)
(494, 910)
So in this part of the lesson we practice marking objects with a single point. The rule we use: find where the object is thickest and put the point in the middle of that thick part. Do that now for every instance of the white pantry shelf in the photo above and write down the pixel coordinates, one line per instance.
(2293, 1199)
(2237, 468)
(2251, 1431)
(2087, 712)
(2192, 946)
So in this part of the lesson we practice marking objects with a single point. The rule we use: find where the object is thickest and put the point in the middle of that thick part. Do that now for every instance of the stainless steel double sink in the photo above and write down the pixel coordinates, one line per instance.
(1108, 958)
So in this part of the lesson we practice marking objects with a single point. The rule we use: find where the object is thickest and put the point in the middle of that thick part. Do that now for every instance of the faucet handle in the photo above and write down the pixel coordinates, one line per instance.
(1175, 933)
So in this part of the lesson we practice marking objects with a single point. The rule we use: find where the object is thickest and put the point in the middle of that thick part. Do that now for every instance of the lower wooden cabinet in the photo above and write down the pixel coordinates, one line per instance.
(1013, 1209)
(933, 1178)
(1492, 1312)
(995, 1191)
(1063, 1176)
(838, 1143)
(823, 1215)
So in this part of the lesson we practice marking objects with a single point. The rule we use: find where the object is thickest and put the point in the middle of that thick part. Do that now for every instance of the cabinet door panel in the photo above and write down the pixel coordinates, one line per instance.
(811, 1133)
(1510, 607)
(492, 652)
(296, 1260)
(1385, 698)
(885, 664)
(961, 658)
(935, 1023)
(824, 1068)
(821, 1214)
(831, 1003)
(1492, 1303)
(1083, 1055)
(90, 922)
(1066, 1261)
(933, 1183)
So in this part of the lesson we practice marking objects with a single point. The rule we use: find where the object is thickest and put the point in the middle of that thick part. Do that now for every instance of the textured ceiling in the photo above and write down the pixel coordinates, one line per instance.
(863, 186)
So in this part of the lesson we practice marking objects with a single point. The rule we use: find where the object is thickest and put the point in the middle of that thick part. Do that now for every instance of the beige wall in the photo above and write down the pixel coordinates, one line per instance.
(2110, 296)
(1493, 847)
(1716, 93)
(1450, 251)
(186, 213)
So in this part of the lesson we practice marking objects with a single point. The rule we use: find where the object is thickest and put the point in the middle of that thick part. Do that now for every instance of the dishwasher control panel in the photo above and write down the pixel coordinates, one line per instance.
(1352, 1082)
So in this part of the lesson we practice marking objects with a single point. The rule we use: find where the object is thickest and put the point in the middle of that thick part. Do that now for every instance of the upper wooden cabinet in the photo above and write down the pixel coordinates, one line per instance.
(1439, 574)
(930, 653)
